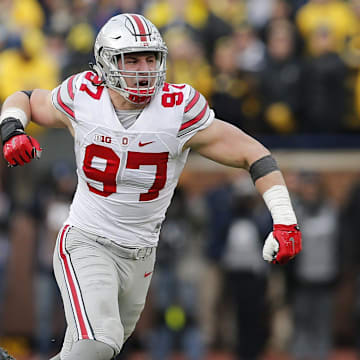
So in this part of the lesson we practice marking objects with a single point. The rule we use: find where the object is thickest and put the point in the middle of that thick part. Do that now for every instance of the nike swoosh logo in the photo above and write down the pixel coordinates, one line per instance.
(145, 143)
(147, 274)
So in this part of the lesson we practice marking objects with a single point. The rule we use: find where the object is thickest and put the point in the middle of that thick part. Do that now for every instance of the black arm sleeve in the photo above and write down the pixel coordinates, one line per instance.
(262, 167)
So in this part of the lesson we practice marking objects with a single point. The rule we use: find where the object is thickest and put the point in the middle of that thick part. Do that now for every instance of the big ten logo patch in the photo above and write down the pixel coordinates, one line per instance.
(124, 141)
(102, 139)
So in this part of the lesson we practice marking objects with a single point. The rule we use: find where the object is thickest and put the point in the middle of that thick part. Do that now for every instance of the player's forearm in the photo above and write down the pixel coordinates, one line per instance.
(264, 183)
(17, 106)
(276, 196)
(270, 183)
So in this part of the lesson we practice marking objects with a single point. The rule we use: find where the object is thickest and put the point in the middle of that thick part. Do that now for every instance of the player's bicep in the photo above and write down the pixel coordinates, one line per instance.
(226, 144)
(43, 112)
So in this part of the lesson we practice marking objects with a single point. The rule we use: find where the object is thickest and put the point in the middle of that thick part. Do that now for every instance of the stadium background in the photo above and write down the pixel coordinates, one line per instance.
(285, 71)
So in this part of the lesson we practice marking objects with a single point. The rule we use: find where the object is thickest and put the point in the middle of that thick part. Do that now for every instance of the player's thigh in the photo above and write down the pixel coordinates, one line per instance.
(88, 282)
(132, 301)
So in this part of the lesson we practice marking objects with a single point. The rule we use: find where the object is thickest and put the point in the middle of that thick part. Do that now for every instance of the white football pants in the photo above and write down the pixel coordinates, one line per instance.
(103, 286)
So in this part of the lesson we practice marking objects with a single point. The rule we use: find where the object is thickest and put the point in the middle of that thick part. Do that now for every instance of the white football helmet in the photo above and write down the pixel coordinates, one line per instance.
(123, 34)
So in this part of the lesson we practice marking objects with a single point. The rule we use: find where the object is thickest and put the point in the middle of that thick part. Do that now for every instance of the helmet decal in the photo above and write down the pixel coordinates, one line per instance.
(138, 27)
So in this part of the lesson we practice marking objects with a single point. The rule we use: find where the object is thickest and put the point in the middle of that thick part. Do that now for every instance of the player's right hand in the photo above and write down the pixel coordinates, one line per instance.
(21, 149)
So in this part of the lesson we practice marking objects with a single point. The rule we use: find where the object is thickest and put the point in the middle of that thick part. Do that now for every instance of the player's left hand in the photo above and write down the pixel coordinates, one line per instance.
(282, 244)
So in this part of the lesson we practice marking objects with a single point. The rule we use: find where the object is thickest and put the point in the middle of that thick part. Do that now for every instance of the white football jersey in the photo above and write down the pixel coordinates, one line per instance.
(126, 177)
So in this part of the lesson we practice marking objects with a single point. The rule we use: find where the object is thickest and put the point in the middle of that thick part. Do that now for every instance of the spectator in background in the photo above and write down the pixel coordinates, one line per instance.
(351, 51)
(54, 206)
(229, 90)
(242, 265)
(349, 324)
(186, 62)
(234, 93)
(249, 49)
(194, 16)
(279, 80)
(297, 4)
(232, 12)
(79, 44)
(22, 233)
(335, 15)
(58, 16)
(218, 203)
(174, 297)
(37, 68)
(168, 13)
(57, 48)
(315, 271)
(26, 14)
(28, 67)
(357, 95)
(105, 9)
(249, 52)
(352, 59)
(237, 61)
(283, 11)
(323, 86)
(5, 207)
(259, 12)
(5, 11)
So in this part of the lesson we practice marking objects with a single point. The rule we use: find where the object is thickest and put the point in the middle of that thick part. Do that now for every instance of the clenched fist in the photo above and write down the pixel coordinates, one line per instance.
(18, 147)
(282, 244)
(21, 149)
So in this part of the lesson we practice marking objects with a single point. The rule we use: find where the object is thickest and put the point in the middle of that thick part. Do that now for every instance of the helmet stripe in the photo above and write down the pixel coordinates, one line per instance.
(141, 27)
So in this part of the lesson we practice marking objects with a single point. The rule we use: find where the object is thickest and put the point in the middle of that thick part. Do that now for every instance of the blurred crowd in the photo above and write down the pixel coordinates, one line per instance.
(274, 67)
(251, 58)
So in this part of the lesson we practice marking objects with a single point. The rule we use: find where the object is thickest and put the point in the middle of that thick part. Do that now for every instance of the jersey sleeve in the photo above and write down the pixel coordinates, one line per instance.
(197, 116)
(63, 96)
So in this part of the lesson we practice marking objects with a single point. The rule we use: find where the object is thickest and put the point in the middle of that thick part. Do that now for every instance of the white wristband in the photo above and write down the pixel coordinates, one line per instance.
(16, 113)
(278, 201)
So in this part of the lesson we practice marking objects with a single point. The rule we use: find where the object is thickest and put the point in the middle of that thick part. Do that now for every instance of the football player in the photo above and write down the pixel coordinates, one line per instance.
(132, 135)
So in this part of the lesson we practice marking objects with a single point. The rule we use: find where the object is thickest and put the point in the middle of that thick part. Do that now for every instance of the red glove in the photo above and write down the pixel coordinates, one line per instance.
(289, 239)
(282, 244)
(21, 149)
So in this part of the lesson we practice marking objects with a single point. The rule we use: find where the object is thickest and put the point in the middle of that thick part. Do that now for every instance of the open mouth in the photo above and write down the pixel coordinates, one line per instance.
(143, 83)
